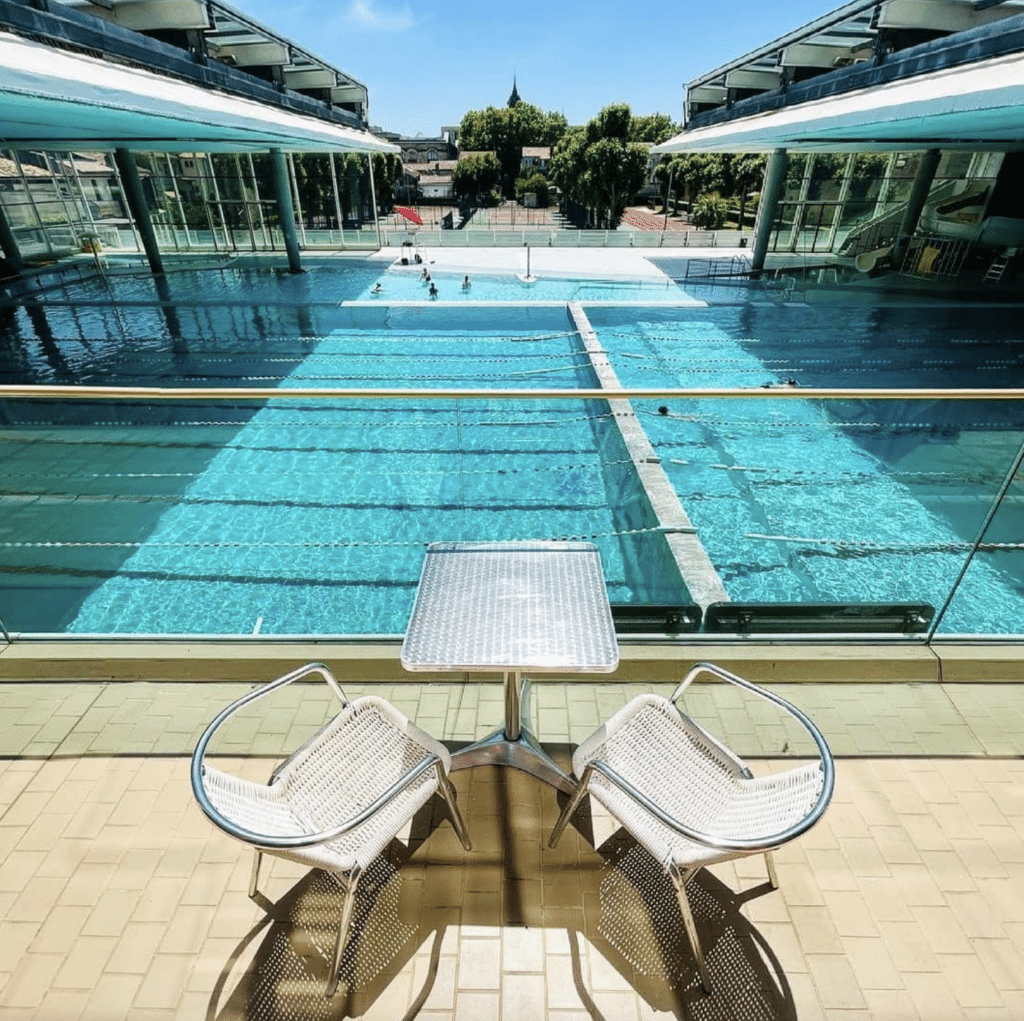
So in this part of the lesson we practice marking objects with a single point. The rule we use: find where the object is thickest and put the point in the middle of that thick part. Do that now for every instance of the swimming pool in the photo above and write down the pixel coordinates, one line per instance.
(406, 283)
(297, 517)
(838, 501)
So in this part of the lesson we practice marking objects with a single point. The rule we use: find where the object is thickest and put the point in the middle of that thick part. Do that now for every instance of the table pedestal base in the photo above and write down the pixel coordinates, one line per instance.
(524, 753)
(515, 744)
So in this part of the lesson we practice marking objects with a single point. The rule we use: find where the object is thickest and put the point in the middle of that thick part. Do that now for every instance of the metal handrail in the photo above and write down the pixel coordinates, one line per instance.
(303, 839)
(766, 841)
(44, 391)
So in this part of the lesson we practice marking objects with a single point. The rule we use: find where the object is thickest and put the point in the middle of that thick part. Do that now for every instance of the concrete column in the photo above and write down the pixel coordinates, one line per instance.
(285, 209)
(915, 203)
(9, 244)
(129, 174)
(774, 186)
(373, 197)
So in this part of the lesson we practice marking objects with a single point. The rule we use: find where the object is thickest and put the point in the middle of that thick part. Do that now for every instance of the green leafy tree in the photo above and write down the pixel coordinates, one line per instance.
(505, 130)
(747, 172)
(654, 128)
(598, 167)
(387, 169)
(476, 176)
(691, 173)
(536, 183)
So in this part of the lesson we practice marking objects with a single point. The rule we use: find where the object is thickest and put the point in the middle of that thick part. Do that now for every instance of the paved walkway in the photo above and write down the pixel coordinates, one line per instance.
(639, 218)
(119, 900)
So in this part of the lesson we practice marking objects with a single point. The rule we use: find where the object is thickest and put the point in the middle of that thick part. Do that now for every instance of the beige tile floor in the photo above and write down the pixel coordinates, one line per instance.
(119, 900)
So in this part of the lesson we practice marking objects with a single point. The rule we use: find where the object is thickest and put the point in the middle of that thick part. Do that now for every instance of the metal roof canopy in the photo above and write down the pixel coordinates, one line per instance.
(852, 33)
(961, 90)
(228, 36)
(74, 80)
(52, 98)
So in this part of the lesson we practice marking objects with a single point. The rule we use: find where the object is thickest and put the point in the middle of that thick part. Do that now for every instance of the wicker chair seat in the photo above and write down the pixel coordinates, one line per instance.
(687, 799)
(680, 767)
(338, 800)
(366, 748)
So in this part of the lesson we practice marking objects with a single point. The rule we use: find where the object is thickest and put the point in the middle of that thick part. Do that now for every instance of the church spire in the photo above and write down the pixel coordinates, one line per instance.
(514, 99)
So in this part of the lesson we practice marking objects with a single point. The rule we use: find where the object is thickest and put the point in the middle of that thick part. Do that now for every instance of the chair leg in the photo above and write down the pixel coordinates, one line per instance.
(254, 877)
(570, 808)
(448, 793)
(679, 881)
(773, 876)
(350, 882)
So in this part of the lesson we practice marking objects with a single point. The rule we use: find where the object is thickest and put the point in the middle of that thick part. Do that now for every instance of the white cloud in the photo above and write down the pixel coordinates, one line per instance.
(365, 14)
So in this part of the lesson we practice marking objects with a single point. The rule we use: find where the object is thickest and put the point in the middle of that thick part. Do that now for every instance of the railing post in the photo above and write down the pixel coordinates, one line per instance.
(1007, 482)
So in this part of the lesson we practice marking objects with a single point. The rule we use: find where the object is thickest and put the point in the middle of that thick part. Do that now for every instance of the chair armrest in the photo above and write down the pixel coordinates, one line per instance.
(752, 844)
(292, 841)
(824, 752)
(257, 693)
(226, 713)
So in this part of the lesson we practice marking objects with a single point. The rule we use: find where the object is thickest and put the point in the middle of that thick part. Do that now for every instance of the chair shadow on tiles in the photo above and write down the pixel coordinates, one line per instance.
(639, 931)
(615, 905)
(280, 968)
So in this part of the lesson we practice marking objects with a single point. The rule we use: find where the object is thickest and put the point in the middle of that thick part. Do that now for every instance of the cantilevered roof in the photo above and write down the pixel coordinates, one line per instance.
(977, 107)
(60, 87)
(871, 76)
(223, 34)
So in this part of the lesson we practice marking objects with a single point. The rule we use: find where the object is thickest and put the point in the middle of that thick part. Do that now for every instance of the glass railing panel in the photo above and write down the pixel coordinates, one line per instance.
(992, 573)
(304, 506)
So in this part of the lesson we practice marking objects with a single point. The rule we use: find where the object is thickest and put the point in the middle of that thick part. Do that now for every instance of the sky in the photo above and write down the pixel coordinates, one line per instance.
(425, 63)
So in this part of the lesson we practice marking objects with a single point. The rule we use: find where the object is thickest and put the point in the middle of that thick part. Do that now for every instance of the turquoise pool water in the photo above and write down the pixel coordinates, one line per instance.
(294, 517)
(297, 517)
(806, 501)
(405, 283)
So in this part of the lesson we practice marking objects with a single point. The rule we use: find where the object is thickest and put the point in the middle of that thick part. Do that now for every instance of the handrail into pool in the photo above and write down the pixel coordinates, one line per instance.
(157, 393)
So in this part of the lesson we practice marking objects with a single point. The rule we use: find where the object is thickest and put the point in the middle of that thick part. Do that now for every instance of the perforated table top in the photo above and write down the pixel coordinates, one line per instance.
(511, 606)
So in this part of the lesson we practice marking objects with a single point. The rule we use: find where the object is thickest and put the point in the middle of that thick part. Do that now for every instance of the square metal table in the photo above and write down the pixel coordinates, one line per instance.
(506, 607)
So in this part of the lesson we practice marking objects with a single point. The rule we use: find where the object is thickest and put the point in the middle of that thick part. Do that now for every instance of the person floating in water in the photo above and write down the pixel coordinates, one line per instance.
(433, 289)
(772, 385)
(662, 410)
(378, 287)
(465, 283)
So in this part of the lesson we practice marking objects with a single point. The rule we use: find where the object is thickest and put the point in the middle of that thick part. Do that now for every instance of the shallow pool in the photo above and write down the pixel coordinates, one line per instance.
(407, 283)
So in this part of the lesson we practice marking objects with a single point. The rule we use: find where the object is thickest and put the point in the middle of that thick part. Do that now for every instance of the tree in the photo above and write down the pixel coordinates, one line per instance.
(475, 176)
(692, 172)
(598, 167)
(387, 169)
(710, 211)
(536, 183)
(654, 128)
(504, 131)
(748, 175)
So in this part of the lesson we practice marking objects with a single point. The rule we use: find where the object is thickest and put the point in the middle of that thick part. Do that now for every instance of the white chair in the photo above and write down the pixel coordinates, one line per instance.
(339, 800)
(686, 798)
